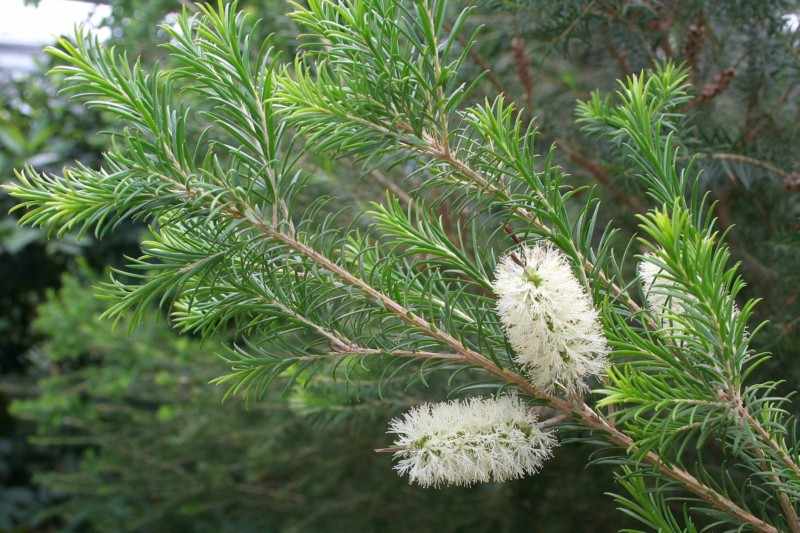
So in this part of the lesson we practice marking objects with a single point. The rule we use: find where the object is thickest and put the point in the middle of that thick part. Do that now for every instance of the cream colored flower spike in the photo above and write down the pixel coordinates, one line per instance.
(465, 442)
(549, 319)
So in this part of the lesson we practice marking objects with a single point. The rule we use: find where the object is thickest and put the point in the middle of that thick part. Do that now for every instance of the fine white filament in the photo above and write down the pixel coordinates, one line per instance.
(549, 319)
(470, 441)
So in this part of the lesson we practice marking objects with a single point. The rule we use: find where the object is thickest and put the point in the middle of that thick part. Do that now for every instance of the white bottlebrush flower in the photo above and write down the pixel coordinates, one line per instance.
(549, 319)
(656, 286)
(470, 441)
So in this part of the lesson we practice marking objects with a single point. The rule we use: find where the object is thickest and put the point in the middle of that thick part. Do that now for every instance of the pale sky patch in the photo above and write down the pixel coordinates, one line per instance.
(23, 27)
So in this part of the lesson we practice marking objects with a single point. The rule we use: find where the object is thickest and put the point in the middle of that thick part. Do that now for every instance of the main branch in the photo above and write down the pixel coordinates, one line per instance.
(575, 408)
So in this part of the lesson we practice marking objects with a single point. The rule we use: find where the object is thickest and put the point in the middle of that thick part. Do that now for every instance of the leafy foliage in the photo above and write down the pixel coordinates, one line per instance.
(42, 129)
(401, 293)
(123, 411)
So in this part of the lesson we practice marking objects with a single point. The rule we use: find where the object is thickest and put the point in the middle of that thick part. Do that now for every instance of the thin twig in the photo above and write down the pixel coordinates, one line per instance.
(789, 512)
(714, 88)
(393, 449)
(478, 59)
(767, 438)
(749, 161)
(575, 22)
(553, 421)
(513, 255)
(523, 68)
(402, 195)
(601, 175)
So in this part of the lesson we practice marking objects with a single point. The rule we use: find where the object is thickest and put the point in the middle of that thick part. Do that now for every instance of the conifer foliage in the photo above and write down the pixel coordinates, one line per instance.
(652, 370)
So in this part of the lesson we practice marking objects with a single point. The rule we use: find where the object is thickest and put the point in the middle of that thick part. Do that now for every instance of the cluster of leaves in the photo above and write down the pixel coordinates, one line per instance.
(681, 389)
(123, 411)
(83, 460)
(407, 286)
(743, 68)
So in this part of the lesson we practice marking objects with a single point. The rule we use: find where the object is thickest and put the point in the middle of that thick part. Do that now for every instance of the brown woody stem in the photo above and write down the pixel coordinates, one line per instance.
(574, 407)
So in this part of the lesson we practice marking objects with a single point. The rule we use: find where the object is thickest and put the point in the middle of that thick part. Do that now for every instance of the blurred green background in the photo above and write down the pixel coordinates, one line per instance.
(105, 428)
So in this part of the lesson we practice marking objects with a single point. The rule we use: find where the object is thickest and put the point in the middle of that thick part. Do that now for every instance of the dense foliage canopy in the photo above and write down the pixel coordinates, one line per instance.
(366, 303)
